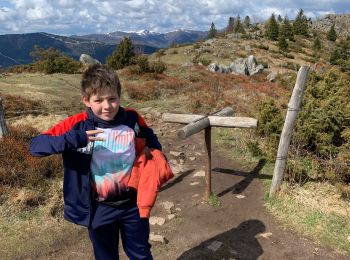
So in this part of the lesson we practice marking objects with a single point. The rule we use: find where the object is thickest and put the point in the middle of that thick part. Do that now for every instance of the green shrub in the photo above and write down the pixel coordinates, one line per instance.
(197, 45)
(141, 65)
(291, 66)
(158, 67)
(52, 61)
(288, 55)
(263, 47)
(269, 128)
(324, 116)
(204, 61)
(122, 56)
(254, 149)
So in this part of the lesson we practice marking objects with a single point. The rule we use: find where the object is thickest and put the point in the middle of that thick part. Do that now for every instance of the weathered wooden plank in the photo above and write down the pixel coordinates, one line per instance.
(200, 124)
(3, 127)
(286, 135)
(239, 122)
(180, 118)
(189, 118)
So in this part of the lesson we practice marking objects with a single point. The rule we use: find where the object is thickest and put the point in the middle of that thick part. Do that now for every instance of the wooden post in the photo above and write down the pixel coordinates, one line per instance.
(3, 127)
(207, 137)
(293, 109)
(197, 123)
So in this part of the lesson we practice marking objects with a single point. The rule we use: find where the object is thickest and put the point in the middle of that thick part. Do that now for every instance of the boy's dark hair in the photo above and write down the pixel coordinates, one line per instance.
(98, 78)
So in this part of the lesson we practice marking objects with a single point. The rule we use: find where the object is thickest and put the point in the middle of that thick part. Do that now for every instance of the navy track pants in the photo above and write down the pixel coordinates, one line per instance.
(134, 231)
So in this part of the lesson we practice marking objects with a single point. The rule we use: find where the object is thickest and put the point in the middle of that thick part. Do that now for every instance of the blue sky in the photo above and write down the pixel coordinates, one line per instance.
(67, 17)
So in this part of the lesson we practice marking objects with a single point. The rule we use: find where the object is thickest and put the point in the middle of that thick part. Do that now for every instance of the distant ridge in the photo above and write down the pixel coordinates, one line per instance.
(158, 40)
(15, 49)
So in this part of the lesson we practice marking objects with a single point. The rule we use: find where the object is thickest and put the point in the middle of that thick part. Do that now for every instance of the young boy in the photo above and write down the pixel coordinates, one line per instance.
(98, 151)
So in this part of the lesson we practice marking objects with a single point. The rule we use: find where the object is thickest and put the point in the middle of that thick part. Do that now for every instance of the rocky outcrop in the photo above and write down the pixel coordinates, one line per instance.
(87, 60)
(241, 66)
(341, 24)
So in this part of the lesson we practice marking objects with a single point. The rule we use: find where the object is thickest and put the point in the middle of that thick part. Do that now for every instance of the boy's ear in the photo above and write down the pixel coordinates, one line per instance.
(86, 101)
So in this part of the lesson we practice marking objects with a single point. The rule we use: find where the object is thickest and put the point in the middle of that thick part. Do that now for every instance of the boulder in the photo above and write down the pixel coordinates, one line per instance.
(87, 60)
(209, 41)
(213, 67)
(258, 69)
(239, 66)
(272, 76)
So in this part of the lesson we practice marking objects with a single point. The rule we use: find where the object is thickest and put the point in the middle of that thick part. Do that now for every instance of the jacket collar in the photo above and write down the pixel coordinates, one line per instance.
(119, 119)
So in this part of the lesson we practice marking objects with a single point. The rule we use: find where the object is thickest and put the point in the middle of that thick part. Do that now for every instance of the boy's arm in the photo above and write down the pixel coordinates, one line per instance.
(61, 137)
(46, 144)
(151, 139)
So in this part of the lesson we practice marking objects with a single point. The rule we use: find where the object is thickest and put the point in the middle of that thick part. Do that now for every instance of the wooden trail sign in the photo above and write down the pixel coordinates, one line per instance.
(3, 127)
(197, 123)
(286, 135)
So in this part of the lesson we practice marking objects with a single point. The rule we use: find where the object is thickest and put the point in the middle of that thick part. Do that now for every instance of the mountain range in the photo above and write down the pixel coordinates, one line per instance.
(15, 49)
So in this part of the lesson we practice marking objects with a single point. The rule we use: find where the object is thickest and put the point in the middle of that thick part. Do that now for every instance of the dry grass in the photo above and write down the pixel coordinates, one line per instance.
(315, 211)
(57, 93)
(18, 167)
(321, 197)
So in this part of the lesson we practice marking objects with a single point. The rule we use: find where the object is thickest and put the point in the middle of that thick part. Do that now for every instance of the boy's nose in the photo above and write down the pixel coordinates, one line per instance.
(106, 104)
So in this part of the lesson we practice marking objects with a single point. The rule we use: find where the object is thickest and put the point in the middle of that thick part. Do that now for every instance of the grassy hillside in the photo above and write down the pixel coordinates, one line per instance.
(312, 201)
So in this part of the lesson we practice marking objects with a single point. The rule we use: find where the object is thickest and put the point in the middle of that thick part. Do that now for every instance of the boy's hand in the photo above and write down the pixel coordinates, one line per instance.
(91, 135)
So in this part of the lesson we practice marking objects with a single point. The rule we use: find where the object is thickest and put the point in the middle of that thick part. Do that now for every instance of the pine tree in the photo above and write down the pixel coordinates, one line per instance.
(316, 46)
(332, 35)
(272, 28)
(238, 27)
(230, 25)
(212, 31)
(246, 22)
(121, 57)
(301, 24)
(279, 18)
(286, 29)
(282, 43)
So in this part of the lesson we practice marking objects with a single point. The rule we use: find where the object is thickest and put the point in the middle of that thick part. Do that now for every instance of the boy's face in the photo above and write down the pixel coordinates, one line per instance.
(104, 105)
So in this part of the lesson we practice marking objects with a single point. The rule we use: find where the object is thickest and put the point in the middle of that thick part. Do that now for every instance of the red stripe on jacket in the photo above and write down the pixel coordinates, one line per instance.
(67, 124)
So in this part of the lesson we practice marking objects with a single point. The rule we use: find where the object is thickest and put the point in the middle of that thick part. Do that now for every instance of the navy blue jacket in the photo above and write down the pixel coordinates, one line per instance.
(69, 138)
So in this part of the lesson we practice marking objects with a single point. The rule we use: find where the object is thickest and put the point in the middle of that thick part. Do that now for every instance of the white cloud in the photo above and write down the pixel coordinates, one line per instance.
(91, 16)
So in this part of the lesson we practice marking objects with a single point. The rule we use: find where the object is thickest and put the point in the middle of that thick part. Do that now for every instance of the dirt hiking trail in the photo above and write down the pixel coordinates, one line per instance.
(239, 228)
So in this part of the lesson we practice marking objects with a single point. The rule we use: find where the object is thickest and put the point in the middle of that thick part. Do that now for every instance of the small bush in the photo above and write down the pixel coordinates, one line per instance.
(141, 65)
(52, 61)
(158, 67)
(146, 91)
(291, 66)
(288, 55)
(296, 172)
(204, 61)
(254, 149)
(18, 168)
(261, 46)
(197, 45)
